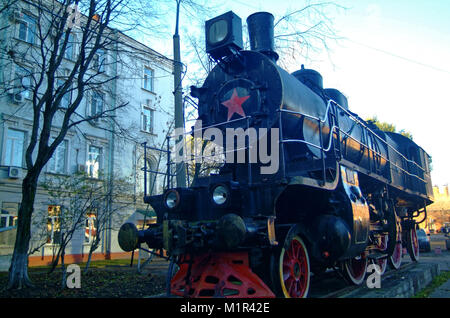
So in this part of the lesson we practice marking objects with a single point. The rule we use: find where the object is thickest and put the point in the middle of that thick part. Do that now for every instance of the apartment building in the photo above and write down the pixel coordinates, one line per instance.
(134, 77)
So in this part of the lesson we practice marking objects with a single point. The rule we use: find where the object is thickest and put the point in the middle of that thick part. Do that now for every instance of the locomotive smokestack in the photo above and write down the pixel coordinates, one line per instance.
(260, 31)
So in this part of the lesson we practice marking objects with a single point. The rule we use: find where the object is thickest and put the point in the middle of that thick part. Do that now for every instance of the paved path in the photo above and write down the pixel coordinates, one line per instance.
(440, 255)
(442, 291)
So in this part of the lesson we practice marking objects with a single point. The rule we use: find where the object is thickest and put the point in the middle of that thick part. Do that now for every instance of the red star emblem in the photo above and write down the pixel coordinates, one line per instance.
(234, 104)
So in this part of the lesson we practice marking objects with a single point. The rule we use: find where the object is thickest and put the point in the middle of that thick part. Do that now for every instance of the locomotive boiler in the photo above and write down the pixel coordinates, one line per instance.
(343, 194)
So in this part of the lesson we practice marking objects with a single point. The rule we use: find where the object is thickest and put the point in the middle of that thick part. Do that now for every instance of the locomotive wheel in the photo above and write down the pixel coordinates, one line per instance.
(395, 260)
(412, 244)
(354, 269)
(292, 269)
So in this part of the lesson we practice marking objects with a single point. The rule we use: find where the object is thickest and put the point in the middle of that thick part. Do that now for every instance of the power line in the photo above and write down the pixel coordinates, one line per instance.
(400, 57)
(246, 4)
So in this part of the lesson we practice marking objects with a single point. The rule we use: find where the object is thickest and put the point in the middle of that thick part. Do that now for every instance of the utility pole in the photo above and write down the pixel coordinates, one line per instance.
(178, 91)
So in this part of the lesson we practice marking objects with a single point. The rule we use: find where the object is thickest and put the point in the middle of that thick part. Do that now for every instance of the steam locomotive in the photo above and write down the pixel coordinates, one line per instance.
(345, 194)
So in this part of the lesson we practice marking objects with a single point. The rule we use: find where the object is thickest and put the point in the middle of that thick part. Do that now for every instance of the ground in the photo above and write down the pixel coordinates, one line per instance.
(106, 279)
(439, 287)
(116, 279)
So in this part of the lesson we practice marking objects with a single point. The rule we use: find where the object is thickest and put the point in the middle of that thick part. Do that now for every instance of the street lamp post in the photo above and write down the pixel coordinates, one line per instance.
(178, 91)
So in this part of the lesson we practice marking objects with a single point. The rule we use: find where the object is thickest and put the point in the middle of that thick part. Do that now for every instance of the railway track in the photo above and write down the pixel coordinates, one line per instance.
(332, 284)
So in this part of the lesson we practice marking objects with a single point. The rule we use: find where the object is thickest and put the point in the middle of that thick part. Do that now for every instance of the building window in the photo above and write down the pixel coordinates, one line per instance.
(99, 61)
(57, 163)
(90, 228)
(97, 101)
(22, 81)
(15, 140)
(147, 83)
(67, 97)
(94, 162)
(8, 215)
(26, 28)
(70, 46)
(148, 114)
(54, 224)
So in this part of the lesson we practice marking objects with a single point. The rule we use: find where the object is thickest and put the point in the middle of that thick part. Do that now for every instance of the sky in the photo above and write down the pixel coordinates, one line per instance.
(393, 62)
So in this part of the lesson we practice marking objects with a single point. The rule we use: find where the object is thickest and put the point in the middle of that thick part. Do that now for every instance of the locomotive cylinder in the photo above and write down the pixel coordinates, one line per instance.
(334, 235)
(130, 237)
(231, 230)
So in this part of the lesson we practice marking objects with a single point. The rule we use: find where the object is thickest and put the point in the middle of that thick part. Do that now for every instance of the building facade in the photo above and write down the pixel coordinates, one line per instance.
(137, 87)
(438, 213)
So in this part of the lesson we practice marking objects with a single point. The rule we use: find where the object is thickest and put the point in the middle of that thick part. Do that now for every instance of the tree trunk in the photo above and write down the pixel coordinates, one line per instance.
(18, 271)
(92, 248)
(55, 261)
(88, 263)
(63, 269)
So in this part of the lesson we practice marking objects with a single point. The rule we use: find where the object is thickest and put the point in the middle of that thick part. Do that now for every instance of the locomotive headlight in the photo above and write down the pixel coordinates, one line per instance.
(172, 199)
(220, 195)
(179, 200)
(223, 35)
(218, 31)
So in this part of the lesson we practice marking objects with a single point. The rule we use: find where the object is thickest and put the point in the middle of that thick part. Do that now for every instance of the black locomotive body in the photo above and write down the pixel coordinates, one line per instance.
(341, 195)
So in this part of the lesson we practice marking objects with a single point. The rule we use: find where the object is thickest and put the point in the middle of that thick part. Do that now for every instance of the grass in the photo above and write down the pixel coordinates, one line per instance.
(113, 262)
(437, 281)
(105, 279)
(94, 264)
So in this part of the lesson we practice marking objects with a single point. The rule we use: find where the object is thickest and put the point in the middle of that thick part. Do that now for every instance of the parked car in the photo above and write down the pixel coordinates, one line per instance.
(446, 228)
(424, 240)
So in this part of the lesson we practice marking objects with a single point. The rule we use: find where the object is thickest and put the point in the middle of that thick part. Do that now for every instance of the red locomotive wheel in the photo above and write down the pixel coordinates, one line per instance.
(396, 258)
(294, 269)
(412, 244)
(355, 269)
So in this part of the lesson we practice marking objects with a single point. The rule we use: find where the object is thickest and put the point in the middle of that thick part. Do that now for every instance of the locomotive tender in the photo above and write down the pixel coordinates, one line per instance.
(345, 194)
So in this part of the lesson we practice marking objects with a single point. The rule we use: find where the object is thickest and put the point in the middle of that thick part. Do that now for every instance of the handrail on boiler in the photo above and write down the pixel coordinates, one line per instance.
(355, 119)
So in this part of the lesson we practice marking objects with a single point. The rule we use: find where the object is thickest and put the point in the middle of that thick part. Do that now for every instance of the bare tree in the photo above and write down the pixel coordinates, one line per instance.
(301, 34)
(103, 217)
(57, 30)
(72, 200)
(6, 5)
